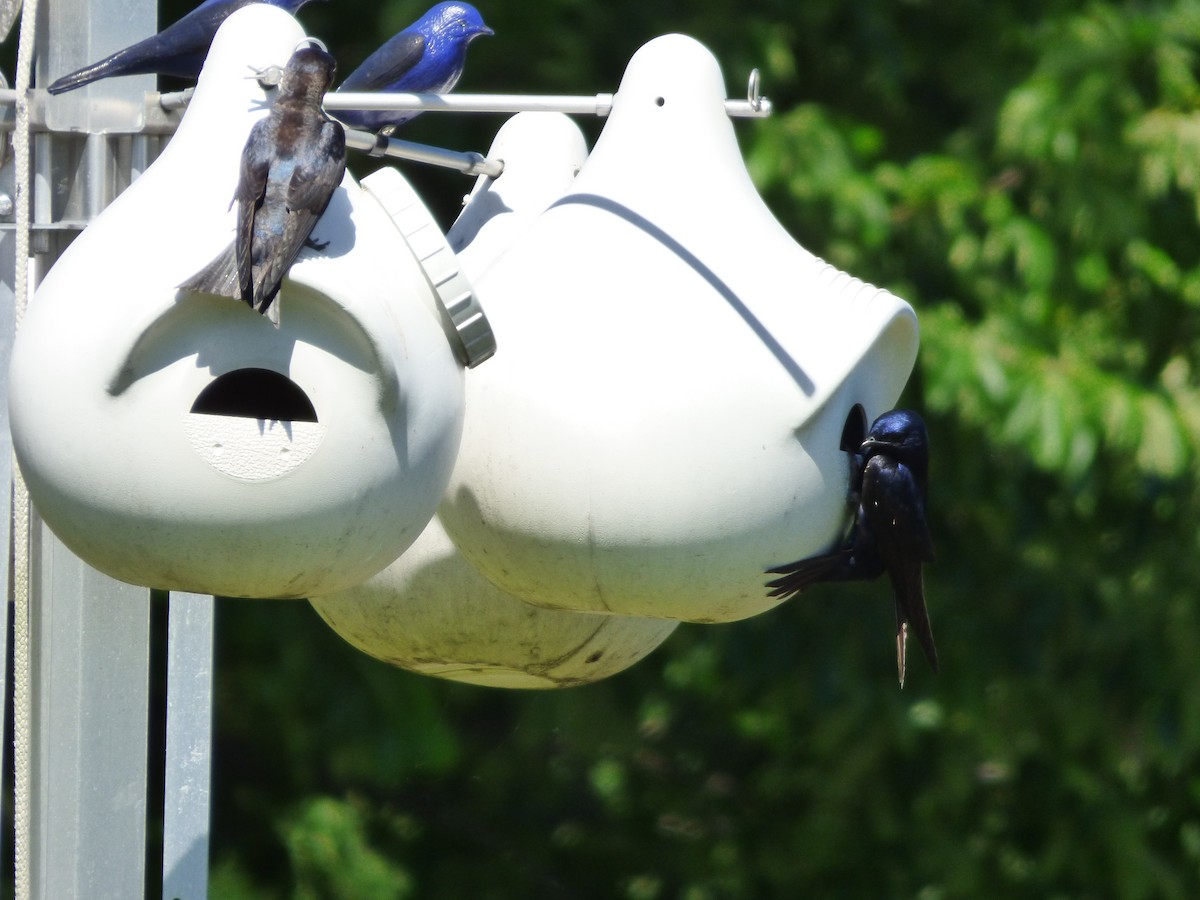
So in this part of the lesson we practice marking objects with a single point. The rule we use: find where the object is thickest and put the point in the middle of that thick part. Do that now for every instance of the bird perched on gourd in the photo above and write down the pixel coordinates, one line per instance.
(292, 163)
(427, 57)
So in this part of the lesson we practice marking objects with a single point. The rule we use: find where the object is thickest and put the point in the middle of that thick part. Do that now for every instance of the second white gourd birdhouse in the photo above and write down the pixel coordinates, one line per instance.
(664, 418)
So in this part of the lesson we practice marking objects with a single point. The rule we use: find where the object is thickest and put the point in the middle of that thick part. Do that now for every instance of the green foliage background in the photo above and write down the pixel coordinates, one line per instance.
(1027, 175)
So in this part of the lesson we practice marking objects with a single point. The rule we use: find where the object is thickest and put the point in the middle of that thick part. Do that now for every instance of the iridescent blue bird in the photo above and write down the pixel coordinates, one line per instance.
(889, 486)
(292, 163)
(427, 57)
(179, 49)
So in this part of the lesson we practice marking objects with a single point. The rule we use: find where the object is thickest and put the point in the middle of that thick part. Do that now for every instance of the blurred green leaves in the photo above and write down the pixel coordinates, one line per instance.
(330, 855)
(1059, 292)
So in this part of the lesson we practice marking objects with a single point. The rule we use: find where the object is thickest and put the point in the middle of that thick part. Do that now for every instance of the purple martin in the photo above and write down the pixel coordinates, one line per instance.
(889, 487)
(179, 49)
(427, 57)
(293, 161)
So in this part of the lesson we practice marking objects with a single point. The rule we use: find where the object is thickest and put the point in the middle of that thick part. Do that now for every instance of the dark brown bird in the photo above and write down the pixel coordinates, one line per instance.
(292, 163)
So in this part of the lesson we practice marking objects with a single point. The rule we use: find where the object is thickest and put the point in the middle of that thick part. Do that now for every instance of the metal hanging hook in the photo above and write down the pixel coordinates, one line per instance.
(312, 42)
(754, 98)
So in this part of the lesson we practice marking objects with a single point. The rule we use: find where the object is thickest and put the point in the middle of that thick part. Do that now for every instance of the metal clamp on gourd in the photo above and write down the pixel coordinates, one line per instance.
(472, 334)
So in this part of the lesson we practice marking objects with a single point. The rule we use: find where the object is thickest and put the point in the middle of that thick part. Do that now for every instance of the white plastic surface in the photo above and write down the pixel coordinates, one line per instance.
(252, 449)
(112, 357)
(431, 612)
(663, 421)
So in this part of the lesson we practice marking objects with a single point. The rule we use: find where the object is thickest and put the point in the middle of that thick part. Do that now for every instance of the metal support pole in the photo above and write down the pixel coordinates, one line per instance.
(91, 662)
(189, 747)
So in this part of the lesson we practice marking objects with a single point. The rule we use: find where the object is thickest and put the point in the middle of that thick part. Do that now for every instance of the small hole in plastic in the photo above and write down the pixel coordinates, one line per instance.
(660, 101)
(256, 394)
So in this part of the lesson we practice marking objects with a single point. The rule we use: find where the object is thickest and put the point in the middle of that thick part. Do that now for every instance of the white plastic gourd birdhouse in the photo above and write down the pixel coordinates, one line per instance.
(430, 611)
(179, 440)
(664, 421)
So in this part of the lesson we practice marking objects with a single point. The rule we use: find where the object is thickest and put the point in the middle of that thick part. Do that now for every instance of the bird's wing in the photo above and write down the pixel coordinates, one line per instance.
(387, 65)
(314, 181)
(908, 584)
(179, 49)
(251, 188)
(895, 514)
(798, 575)
(312, 184)
(891, 486)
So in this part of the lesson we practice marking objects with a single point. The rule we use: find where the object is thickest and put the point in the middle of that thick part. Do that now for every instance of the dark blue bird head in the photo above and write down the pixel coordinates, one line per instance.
(449, 27)
(901, 435)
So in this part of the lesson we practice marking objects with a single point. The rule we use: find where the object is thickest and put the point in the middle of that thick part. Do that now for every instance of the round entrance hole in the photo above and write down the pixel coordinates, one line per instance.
(255, 394)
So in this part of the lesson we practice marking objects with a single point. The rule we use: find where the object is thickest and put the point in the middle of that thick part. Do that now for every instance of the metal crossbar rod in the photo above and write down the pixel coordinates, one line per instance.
(469, 163)
(594, 105)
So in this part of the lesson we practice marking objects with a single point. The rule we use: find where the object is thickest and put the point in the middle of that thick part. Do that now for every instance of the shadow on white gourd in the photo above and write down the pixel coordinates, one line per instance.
(180, 441)
(431, 612)
(664, 419)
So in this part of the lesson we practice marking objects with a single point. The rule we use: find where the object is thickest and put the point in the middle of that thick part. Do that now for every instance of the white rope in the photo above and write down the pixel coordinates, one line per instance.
(22, 697)
(22, 694)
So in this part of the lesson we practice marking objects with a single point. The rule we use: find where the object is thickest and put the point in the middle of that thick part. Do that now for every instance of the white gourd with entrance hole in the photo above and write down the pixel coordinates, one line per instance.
(119, 422)
(664, 418)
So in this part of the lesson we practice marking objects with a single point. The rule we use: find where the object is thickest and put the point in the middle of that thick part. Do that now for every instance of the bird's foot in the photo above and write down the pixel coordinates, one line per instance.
(268, 77)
